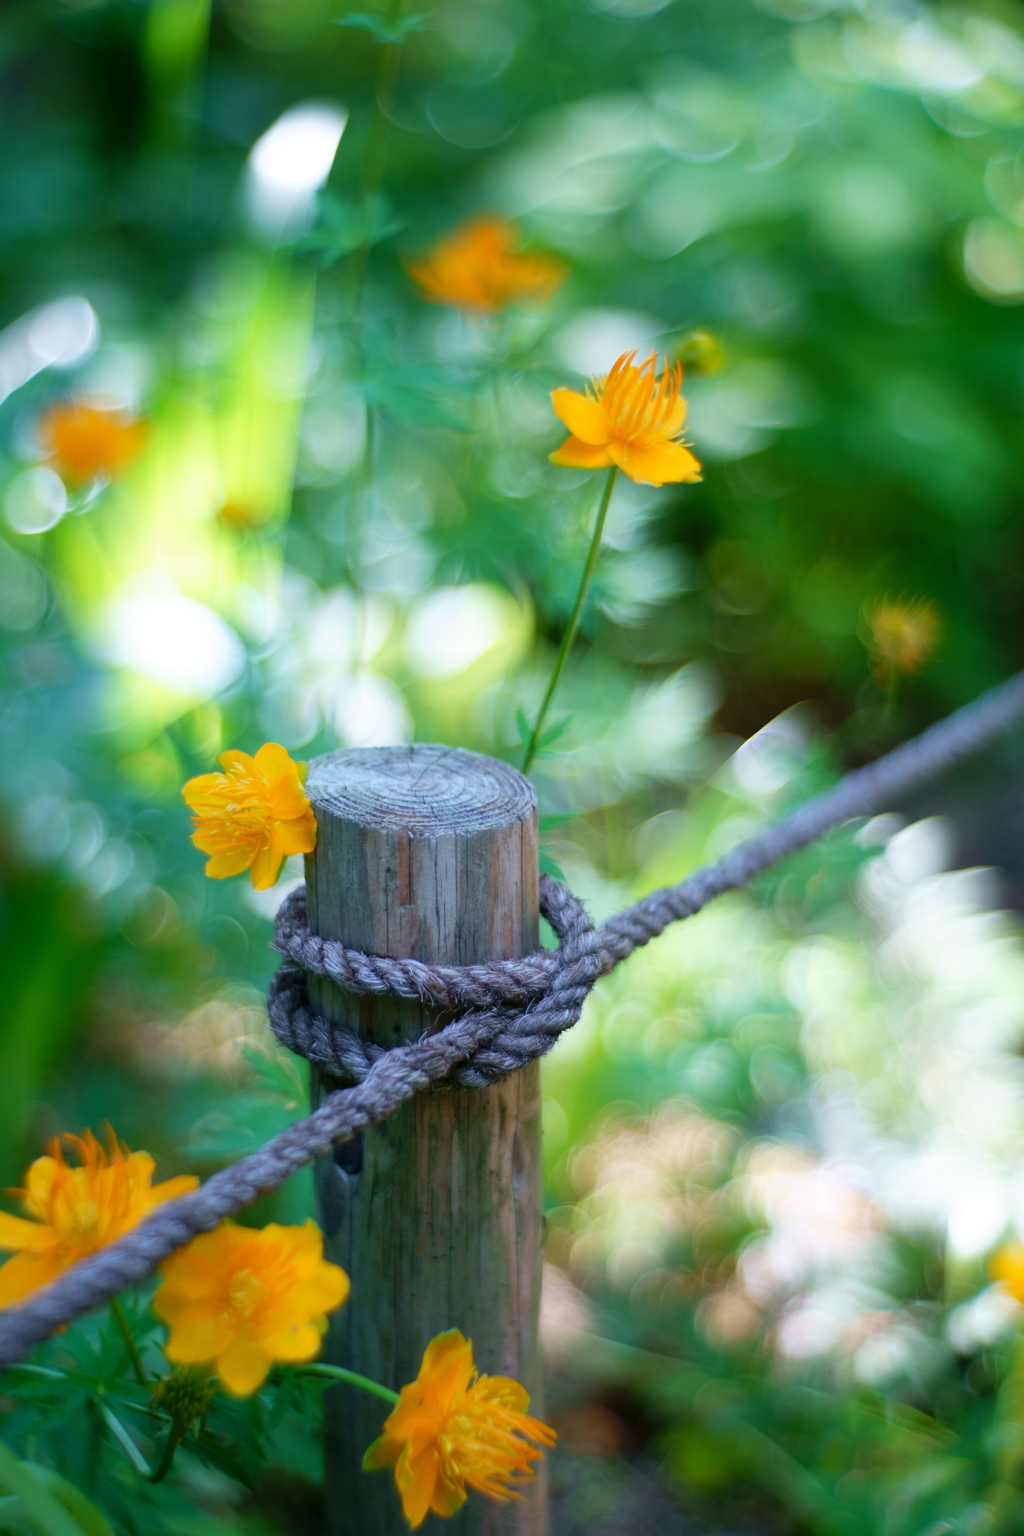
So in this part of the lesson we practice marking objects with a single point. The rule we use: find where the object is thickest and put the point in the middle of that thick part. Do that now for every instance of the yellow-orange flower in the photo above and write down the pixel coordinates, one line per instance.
(83, 441)
(452, 1428)
(632, 419)
(479, 267)
(904, 633)
(1007, 1267)
(240, 1299)
(252, 815)
(700, 352)
(74, 1211)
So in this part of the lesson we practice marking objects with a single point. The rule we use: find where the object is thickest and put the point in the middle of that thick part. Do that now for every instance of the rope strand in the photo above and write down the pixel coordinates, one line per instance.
(516, 1012)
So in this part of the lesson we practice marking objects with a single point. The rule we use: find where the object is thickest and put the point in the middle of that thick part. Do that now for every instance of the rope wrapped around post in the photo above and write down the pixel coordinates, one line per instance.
(514, 1013)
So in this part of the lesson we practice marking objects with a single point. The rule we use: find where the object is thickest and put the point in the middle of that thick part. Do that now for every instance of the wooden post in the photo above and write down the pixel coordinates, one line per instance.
(428, 852)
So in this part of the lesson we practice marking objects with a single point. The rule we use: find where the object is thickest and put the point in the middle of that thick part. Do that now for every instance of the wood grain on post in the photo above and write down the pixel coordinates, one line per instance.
(427, 852)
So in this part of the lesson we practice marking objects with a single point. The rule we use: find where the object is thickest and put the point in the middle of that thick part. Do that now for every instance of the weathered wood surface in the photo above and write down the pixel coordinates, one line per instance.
(429, 852)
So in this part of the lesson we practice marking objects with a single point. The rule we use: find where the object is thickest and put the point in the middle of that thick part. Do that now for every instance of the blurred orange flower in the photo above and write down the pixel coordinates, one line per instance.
(630, 419)
(478, 267)
(75, 1211)
(83, 441)
(252, 815)
(452, 1427)
(240, 1299)
(1007, 1266)
(904, 634)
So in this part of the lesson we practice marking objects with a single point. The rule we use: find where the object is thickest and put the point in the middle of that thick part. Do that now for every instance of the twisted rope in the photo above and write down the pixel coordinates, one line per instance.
(480, 1044)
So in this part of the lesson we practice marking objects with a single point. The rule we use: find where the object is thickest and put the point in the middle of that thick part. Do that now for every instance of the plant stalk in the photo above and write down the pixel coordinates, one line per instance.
(574, 620)
(117, 1312)
(175, 1435)
(339, 1373)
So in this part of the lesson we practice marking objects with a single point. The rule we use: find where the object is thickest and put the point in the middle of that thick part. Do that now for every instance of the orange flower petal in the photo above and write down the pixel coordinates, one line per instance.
(17, 1233)
(292, 1341)
(232, 861)
(665, 464)
(504, 1390)
(583, 416)
(449, 1495)
(1007, 1266)
(448, 1362)
(479, 268)
(28, 1272)
(266, 866)
(198, 1334)
(170, 1189)
(382, 1455)
(273, 762)
(298, 836)
(243, 1367)
(575, 454)
(234, 760)
(675, 420)
(39, 1182)
(415, 1479)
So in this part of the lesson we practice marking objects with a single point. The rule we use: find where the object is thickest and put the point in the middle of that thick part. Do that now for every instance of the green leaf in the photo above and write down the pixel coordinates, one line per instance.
(548, 866)
(410, 396)
(345, 225)
(524, 726)
(92, 1521)
(554, 731)
(382, 29)
(281, 1401)
(13, 1516)
(244, 1470)
(47, 1513)
(39, 1372)
(124, 1439)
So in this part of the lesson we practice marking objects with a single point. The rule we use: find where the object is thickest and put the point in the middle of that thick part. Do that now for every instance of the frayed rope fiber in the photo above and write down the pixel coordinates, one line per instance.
(516, 1010)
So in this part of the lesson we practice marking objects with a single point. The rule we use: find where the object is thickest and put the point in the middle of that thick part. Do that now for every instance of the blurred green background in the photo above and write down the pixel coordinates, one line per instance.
(785, 1139)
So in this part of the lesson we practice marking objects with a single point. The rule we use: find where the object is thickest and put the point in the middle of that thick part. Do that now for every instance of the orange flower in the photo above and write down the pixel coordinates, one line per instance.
(452, 1427)
(240, 1299)
(478, 267)
(904, 633)
(84, 442)
(1007, 1266)
(252, 815)
(74, 1212)
(632, 419)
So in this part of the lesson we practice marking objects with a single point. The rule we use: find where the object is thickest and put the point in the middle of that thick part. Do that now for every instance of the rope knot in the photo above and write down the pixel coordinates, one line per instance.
(508, 1012)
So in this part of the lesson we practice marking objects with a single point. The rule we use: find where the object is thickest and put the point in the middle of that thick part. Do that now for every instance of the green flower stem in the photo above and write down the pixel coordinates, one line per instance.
(338, 1373)
(574, 621)
(117, 1312)
(376, 157)
(175, 1435)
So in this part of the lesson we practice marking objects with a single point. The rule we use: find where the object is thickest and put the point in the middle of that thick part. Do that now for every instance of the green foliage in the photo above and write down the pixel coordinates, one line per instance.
(818, 207)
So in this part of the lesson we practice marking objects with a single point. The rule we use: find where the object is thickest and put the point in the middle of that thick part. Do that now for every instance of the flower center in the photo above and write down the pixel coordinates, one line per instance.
(243, 1293)
(83, 1221)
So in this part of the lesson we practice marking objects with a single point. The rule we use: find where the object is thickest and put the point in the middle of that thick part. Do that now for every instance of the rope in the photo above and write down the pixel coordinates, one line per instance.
(505, 985)
(493, 1037)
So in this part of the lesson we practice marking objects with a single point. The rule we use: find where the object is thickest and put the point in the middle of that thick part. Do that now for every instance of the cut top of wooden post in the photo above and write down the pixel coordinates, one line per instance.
(431, 853)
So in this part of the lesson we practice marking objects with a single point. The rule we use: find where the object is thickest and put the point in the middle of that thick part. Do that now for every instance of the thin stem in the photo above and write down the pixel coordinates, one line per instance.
(175, 1435)
(339, 1373)
(117, 1312)
(574, 621)
(375, 161)
(892, 689)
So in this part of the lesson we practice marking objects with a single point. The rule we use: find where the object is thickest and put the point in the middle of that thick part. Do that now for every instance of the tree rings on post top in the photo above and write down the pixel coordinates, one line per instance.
(426, 791)
(423, 852)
